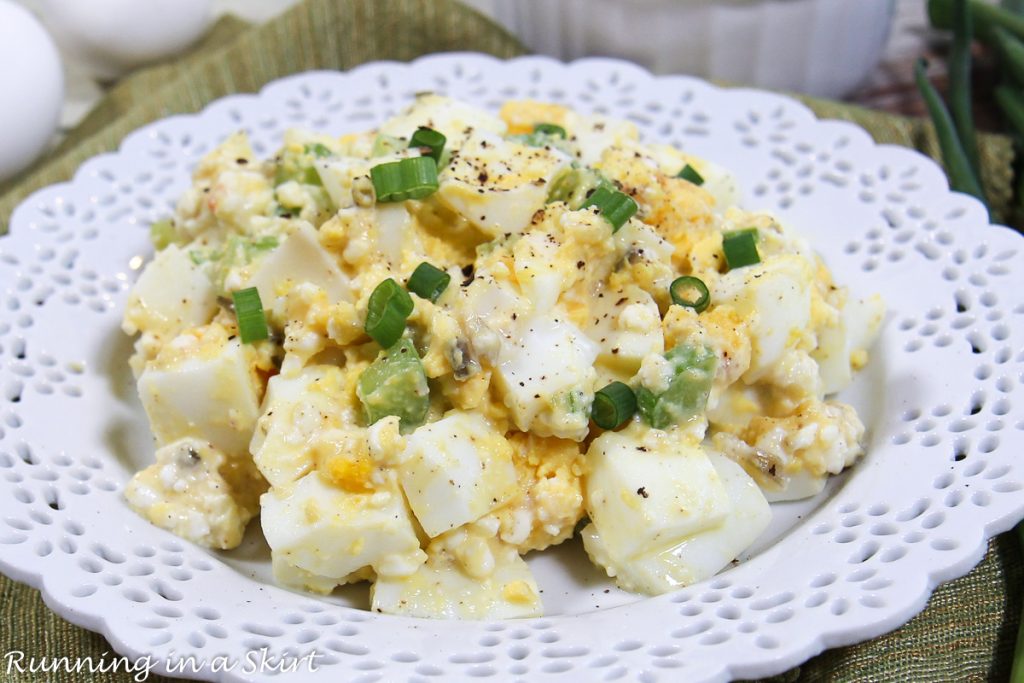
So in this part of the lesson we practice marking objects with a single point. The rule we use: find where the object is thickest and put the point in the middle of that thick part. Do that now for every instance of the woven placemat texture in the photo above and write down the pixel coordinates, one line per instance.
(968, 630)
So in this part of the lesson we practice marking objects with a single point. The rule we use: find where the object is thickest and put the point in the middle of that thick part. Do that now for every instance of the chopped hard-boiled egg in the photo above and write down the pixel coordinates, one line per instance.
(198, 493)
(646, 491)
(155, 308)
(299, 259)
(473, 332)
(498, 184)
(469, 576)
(203, 384)
(699, 555)
(296, 412)
(546, 375)
(455, 471)
(332, 532)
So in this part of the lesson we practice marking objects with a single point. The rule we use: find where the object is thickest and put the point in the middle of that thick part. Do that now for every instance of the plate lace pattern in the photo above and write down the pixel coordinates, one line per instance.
(945, 426)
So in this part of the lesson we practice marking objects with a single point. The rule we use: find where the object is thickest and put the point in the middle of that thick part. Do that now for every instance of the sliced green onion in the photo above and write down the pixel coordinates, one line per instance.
(430, 138)
(252, 322)
(574, 185)
(549, 129)
(613, 406)
(740, 247)
(693, 369)
(428, 282)
(690, 292)
(318, 150)
(413, 178)
(961, 175)
(616, 207)
(386, 312)
(690, 173)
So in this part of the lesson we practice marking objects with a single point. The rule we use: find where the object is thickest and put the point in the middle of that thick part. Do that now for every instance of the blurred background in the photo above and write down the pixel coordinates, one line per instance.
(859, 52)
(863, 51)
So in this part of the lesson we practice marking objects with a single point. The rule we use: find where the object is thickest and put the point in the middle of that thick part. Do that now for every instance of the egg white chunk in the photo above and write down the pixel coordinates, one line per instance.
(207, 392)
(856, 329)
(547, 375)
(594, 133)
(627, 327)
(441, 590)
(499, 184)
(295, 410)
(456, 120)
(649, 491)
(456, 470)
(699, 556)
(298, 259)
(288, 574)
(776, 296)
(155, 307)
(331, 532)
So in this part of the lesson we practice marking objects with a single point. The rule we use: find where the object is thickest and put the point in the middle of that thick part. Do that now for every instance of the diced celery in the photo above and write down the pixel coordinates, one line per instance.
(575, 185)
(395, 384)
(318, 150)
(536, 139)
(235, 251)
(383, 145)
(162, 234)
(300, 166)
(693, 369)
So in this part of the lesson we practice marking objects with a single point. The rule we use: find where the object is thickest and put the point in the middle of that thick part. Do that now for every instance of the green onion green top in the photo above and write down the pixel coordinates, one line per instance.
(413, 178)
(386, 312)
(740, 247)
(428, 282)
(613, 406)
(616, 207)
(429, 138)
(252, 322)
(693, 369)
(690, 292)
(690, 173)
(549, 129)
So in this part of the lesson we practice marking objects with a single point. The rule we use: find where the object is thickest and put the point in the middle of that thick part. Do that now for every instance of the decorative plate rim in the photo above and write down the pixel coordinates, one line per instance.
(630, 656)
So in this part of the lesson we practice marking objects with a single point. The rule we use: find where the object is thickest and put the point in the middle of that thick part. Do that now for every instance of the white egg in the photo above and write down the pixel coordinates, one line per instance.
(110, 37)
(32, 81)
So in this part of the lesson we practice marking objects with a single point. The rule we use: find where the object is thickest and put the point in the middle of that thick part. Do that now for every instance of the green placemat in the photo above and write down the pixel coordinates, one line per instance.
(968, 630)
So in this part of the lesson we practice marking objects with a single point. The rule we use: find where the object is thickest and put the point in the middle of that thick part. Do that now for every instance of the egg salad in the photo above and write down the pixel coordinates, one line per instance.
(420, 352)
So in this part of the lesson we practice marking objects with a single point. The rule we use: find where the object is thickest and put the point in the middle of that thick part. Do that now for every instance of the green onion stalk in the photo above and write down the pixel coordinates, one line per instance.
(960, 82)
(958, 166)
(986, 18)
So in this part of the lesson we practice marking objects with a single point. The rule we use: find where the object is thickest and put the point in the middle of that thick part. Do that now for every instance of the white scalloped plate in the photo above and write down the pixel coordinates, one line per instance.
(941, 398)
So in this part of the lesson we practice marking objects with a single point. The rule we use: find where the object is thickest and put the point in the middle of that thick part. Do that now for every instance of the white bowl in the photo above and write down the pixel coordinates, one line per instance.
(819, 47)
